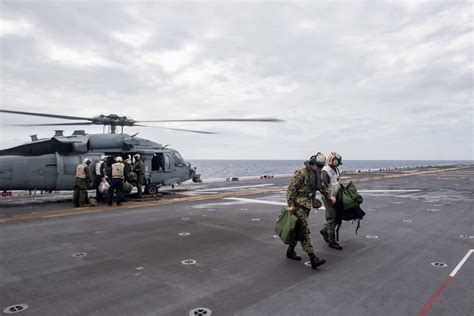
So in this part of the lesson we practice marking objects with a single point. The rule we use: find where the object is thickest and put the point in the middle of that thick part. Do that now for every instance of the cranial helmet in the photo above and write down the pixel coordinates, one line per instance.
(103, 157)
(136, 156)
(334, 159)
(317, 160)
(118, 159)
(86, 161)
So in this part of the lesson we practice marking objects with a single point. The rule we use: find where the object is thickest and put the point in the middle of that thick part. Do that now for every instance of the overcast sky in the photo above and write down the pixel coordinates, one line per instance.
(371, 80)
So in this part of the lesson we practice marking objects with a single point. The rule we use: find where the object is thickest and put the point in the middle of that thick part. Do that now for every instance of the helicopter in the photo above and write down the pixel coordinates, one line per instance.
(50, 164)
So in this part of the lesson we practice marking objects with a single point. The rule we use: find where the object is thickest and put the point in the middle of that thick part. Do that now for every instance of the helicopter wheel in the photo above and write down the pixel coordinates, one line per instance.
(152, 189)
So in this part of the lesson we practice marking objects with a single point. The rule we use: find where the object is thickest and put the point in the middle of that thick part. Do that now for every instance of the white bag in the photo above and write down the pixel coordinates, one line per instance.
(104, 186)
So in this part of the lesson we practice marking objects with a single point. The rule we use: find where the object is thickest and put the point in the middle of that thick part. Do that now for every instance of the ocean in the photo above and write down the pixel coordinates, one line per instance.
(214, 169)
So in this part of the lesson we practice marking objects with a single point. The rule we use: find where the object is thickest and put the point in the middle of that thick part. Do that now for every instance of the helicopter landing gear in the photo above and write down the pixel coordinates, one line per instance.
(152, 189)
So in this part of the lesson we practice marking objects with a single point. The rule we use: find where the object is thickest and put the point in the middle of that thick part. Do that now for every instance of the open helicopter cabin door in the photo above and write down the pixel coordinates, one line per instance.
(161, 162)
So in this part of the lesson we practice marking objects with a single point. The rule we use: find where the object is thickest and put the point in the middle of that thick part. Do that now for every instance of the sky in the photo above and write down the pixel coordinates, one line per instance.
(368, 79)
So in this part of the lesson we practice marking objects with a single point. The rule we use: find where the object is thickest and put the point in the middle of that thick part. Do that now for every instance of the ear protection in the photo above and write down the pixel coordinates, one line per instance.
(317, 160)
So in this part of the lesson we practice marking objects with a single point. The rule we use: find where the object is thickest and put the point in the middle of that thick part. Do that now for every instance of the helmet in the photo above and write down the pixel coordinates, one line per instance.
(118, 159)
(128, 161)
(103, 157)
(86, 161)
(318, 160)
(136, 156)
(334, 159)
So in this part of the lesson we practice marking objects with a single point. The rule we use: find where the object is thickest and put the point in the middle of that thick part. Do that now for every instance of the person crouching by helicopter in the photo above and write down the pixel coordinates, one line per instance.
(139, 168)
(301, 198)
(117, 174)
(99, 175)
(82, 184)
(330, 176)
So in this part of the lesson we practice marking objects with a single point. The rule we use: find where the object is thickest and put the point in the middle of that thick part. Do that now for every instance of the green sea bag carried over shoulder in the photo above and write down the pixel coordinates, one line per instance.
(285, 225)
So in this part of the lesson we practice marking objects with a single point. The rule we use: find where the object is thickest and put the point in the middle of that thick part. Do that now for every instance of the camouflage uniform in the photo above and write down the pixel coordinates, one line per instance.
(301, 195)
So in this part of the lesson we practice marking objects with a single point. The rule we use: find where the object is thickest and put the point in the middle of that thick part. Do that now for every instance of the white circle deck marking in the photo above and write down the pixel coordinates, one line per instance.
(307, 263)
(439, 264)
(139, 268)
(200, 311)
(184, 234)
(189, 261)
(276, 236)
(433, 210)
(408, 221)
(255, 219)
(372, 236)
(466, 236)
(15, 308)
(185, 218)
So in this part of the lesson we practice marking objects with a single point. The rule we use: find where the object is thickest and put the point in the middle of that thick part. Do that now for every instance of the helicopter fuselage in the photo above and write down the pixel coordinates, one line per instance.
(50, 164)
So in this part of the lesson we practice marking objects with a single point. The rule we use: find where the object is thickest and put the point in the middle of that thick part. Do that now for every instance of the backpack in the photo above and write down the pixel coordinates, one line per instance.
(347, 206)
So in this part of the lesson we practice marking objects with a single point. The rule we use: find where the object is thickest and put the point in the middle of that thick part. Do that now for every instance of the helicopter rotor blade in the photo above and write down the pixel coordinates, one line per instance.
(66, 117)
(262, 119)
(178, 129)
(53, 124)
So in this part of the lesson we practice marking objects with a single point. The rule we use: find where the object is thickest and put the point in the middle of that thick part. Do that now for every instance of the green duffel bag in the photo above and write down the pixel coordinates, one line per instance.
(285, 225)
(349, 195)
(132, 177)
(127, 187)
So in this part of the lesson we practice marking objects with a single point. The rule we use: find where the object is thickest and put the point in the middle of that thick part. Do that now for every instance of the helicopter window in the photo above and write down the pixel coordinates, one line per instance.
(178, 160)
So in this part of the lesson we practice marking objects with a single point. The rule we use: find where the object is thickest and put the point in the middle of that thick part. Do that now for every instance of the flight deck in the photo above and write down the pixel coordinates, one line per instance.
(210, 249)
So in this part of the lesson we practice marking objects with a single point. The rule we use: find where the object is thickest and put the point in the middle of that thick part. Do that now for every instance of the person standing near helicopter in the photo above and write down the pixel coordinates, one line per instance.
(139, 168)
(117, 174)
(82, 184)
(99, 175)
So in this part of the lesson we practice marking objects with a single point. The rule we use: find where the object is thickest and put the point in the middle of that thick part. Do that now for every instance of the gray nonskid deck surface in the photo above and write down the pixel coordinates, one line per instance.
(133, 262)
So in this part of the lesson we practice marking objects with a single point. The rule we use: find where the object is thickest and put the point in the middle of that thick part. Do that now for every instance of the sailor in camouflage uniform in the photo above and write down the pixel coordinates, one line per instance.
(301, 197)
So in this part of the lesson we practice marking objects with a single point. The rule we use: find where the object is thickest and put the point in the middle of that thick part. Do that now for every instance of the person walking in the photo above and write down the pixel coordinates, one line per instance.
(331, 179)
(139, 168)
(82, 184)
(117, 174)
(301, 198)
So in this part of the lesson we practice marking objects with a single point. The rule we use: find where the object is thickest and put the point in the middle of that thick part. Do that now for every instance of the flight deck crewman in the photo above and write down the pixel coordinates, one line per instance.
(82, 183)
(117, 174)
(99, 174)
(139, 169)
(301, 198)
(330, 176)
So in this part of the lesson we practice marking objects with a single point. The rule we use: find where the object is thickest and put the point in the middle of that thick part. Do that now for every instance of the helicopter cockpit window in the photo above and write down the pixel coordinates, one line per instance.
(178, 160)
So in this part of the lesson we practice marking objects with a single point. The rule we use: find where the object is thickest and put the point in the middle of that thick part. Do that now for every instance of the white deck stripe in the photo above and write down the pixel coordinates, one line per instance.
(461, 263)
(388, 191)
(261, 201)
(239, 187)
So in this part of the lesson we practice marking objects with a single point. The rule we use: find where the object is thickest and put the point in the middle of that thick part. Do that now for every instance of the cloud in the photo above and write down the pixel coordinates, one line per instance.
(392, 77)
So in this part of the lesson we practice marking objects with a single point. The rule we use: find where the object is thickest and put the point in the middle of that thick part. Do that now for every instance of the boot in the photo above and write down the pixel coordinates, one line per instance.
(291, 254)
(325, 235)
(315, 261)
(333, 244)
